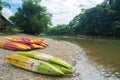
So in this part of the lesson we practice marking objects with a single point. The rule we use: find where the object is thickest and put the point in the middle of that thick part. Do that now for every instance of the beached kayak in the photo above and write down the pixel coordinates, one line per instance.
(14, 46)
(19, 46)
(62, 68)
(45, 57)
(25, 40)
(30, 64)
(38, 41)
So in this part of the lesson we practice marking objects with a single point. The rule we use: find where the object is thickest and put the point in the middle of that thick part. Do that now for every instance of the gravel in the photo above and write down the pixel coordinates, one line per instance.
(62, 49)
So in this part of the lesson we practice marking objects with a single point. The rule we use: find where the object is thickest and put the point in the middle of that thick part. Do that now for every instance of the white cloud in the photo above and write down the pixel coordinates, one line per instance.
(64, 10)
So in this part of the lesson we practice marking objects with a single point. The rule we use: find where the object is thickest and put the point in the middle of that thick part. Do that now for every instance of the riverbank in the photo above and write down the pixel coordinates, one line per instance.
(61, 49)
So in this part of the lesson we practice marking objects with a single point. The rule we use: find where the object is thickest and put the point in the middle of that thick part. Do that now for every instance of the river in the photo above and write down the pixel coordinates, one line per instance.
(100, 61)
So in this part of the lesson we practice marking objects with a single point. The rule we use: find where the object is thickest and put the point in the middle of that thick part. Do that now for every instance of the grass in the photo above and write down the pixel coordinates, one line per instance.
(9, 32)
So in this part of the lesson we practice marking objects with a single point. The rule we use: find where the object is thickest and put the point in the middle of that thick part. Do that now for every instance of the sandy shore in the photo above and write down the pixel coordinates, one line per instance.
(61, 49)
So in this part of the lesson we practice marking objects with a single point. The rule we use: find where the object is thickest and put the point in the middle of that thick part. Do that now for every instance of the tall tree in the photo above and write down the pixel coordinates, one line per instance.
(100, 20)
(32, 18)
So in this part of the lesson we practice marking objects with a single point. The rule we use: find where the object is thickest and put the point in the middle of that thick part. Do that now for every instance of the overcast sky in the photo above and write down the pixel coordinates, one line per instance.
(62, 11)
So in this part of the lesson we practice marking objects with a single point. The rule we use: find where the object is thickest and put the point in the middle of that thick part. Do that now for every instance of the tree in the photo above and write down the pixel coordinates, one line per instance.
(3, 4)
(32, 18)
(99, 20)
(58, 30)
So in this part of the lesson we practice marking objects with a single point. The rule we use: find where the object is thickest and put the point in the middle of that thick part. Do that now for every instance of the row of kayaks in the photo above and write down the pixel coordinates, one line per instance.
(23, 44)
(40, 63)
(35, 61)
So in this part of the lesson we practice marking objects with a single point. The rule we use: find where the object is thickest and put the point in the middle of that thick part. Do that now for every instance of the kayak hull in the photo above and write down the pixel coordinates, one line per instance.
(34, 65)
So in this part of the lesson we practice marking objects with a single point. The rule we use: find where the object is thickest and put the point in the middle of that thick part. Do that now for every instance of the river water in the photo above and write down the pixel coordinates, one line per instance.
(98, 60)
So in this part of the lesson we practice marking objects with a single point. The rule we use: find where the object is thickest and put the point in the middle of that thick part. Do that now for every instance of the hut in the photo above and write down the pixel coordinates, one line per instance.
(5, 23)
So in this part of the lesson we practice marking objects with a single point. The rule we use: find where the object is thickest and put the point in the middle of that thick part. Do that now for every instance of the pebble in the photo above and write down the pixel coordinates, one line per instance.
(55, 48)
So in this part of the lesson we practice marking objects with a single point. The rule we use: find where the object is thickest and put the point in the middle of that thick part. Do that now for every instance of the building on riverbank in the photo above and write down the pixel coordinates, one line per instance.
(5, 23)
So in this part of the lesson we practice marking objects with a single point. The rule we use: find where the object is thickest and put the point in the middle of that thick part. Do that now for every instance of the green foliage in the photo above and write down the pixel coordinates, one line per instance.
(32, 18)
(3, 4)
(101, 20)
(96, 21)
(58, 30)
(116, 29)
(4, 22)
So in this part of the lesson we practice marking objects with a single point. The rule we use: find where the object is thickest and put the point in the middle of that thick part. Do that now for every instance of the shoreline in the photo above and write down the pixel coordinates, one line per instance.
(61, 49)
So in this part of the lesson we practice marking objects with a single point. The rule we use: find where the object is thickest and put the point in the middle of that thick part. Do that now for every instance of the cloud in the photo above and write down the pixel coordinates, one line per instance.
(64, 10)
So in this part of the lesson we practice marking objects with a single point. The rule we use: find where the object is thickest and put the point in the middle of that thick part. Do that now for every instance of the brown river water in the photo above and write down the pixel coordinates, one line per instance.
(99, 60)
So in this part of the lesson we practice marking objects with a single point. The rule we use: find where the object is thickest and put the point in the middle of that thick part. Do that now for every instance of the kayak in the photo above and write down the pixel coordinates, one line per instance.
(25, 40)
(39, 42)
(14, 46)
(30, 64)
(62, 68)
(45, 57)
(19, 46)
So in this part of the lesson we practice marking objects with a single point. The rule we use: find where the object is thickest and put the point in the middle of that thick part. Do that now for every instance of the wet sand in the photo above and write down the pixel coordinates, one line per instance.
(62, 49)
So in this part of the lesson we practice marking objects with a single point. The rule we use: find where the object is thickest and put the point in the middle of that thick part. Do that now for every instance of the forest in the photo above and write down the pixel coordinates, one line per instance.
(101, 20)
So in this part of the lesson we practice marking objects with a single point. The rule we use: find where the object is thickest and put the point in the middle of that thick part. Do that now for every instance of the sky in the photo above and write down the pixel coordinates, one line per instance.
(62, 11)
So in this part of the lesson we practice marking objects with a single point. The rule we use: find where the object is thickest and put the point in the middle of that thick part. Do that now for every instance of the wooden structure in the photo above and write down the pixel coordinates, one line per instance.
(4, 25)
